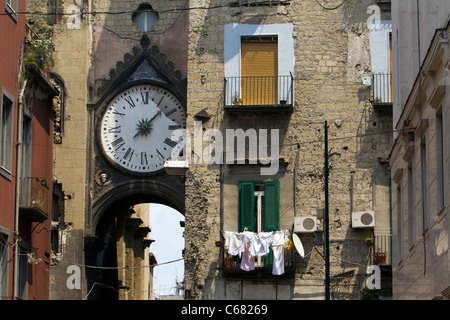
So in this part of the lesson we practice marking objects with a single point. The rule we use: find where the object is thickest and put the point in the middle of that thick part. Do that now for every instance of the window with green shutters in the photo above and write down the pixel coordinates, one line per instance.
(259, 205)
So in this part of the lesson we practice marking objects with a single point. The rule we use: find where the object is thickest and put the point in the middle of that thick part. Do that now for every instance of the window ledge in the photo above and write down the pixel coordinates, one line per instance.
(33, 214)
(259, 273)
(272, 108)
(383, 106)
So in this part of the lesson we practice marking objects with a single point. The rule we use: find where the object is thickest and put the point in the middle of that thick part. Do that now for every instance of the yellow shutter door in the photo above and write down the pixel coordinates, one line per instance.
(259, 71)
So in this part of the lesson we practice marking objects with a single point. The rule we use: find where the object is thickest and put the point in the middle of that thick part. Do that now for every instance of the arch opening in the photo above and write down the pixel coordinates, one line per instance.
(122, 251)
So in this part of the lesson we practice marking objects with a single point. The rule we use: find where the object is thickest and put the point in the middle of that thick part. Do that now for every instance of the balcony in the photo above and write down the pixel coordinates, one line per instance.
(382, 91)
(230, 266)
(382, 249)
(259, 93)
(33, 199)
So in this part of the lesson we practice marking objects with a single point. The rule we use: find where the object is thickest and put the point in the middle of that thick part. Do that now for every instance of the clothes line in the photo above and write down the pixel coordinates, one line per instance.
(248, 245)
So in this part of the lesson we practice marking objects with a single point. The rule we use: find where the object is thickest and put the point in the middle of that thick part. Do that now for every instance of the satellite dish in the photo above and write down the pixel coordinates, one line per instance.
(298, 245)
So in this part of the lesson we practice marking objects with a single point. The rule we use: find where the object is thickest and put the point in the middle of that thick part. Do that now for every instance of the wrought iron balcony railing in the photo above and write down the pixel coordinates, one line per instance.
(230, 265)
(382, 249)
(382, 88)
(259, 91)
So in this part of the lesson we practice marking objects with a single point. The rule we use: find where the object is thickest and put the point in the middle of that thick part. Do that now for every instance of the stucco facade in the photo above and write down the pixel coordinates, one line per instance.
(420, 155)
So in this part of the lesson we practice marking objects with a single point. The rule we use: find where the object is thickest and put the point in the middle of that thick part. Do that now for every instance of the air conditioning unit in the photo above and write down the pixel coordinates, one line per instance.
(305, 224)
(363, 219)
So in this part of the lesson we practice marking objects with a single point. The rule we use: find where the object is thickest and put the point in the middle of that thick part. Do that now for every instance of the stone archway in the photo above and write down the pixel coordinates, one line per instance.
(113, 213)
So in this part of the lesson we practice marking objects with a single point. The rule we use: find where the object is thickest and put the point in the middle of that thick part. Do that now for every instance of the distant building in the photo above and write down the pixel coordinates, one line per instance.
(132, 247)
(420, 157)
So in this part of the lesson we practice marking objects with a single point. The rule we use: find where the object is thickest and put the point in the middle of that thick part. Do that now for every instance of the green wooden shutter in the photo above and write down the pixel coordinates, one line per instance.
(246, 206)
(271, 213)
(271, 206)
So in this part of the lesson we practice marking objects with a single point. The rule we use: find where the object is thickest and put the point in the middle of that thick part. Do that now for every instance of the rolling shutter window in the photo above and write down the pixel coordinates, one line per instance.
(259, 70)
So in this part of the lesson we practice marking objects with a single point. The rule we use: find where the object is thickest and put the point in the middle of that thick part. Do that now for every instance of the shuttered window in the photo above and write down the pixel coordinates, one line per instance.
(259, 204)
(269, 204)
(246, 206)
(259, 70)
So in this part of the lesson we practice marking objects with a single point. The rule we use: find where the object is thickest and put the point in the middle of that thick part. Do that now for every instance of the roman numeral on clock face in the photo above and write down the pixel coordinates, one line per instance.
(114, 129)
(160, 154)
(120, 114)
(174, 127)
(171, 112)
(144, 160)
(128, 155)
(144, 96)
(130, 102)
(170, 142)
(116, 144)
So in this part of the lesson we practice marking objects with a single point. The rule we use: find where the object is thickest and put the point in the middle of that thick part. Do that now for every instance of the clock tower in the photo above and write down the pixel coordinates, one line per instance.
(123, 68)
(132, 124)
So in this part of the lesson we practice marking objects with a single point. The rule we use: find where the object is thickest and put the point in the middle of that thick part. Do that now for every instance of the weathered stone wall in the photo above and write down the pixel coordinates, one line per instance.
(71, 63)
(331, 57)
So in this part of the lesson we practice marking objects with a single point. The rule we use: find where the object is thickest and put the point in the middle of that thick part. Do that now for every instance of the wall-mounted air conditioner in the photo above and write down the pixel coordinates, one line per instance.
(305, 224)
(363, 219)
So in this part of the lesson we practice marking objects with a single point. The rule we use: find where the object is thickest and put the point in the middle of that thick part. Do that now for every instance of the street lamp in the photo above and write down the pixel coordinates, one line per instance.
(145, 17)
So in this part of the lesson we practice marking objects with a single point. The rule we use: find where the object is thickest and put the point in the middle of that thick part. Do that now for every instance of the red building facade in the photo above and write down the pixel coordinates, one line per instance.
(26, 163)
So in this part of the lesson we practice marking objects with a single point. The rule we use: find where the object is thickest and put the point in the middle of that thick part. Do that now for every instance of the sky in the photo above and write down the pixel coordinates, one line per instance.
(168, 246)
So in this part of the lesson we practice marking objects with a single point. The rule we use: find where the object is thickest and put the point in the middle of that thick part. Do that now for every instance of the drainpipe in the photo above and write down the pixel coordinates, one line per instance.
(327, 221)
(295, 180)
(390, 219)
(422, 155)
(17, 196)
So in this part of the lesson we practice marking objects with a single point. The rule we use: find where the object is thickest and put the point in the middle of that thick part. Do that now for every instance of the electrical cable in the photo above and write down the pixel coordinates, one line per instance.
(334, 8)
(229, 5)
(60, 146)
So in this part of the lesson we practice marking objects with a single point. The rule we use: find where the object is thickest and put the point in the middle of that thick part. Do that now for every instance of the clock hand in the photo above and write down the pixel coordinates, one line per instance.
(157, 113)
(144, 127)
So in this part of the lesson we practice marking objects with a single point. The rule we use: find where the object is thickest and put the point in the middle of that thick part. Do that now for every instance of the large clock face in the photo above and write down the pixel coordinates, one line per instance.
(137, 126)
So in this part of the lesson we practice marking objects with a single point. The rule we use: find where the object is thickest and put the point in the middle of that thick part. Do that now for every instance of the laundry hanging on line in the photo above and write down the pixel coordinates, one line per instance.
(248, 245)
